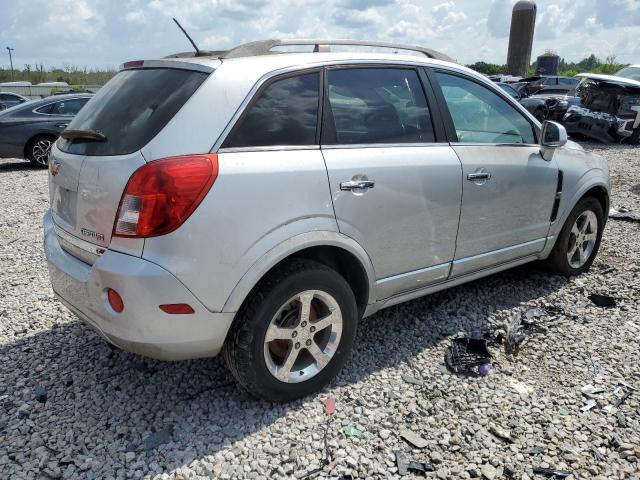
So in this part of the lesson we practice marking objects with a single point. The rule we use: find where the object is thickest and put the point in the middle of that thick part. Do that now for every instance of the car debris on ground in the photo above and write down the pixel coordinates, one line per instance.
(406, 466)
(622, 213)
(466, 355)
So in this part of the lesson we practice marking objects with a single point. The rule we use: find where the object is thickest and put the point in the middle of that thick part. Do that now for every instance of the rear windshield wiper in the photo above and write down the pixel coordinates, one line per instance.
(87, 135)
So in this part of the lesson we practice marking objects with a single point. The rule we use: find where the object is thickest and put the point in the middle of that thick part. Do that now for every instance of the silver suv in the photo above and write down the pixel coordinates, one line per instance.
(260, 204)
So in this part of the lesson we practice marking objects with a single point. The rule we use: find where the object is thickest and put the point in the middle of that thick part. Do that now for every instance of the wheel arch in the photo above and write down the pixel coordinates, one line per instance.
(601, 194)
(337, 251)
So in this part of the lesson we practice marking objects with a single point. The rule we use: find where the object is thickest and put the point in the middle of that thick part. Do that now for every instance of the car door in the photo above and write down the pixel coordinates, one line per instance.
(395, 189)
(508, 188)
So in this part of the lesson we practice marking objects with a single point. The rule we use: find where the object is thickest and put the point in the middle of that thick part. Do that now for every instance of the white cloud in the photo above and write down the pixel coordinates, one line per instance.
(99, 32)
(135, 16)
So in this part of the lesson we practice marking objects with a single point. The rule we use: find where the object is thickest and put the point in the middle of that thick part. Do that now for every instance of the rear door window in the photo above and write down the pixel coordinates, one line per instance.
(283, 113)
(378, 105)
(131, 109)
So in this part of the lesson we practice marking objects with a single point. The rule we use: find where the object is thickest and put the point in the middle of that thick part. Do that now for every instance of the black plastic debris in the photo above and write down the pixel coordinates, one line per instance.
(551, 472)
(465, 354)
(405, 465)
(622, 399)
(602, 300)
(622, 213)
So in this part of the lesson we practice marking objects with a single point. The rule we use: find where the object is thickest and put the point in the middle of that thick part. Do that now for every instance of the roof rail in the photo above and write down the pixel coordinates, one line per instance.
(265, 47)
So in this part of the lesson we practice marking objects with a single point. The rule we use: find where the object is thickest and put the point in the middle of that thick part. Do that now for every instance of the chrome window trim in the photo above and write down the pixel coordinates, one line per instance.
(381, 145)
(492, 144)
(268, 148)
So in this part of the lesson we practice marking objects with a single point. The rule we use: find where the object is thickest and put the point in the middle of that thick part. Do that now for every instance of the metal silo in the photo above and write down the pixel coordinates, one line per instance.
(547, 64)
(523, 22)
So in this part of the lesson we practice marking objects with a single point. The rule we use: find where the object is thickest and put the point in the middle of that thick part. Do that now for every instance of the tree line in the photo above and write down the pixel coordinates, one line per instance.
(71, 74)
(75, 75)
(590, 64)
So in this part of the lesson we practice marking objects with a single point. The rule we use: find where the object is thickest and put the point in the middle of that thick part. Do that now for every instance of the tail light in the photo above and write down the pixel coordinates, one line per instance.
(162, 194)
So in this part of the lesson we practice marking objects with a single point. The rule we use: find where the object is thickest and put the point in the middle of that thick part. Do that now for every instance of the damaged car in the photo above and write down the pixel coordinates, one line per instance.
(607, 108)
(536, 105)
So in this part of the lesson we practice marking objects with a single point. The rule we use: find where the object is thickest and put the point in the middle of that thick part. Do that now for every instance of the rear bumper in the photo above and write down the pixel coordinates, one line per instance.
(141, 327)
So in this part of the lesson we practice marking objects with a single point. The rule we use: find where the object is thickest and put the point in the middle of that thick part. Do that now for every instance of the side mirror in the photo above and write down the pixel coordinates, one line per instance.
(553, 136)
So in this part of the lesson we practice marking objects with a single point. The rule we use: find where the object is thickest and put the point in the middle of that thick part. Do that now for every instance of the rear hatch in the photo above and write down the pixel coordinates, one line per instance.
(100, 149)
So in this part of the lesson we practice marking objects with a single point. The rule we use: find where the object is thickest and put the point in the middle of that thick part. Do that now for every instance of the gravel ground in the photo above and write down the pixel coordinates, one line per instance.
(71, 407)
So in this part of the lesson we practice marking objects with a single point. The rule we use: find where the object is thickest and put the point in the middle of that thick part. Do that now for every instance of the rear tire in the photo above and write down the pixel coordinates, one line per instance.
(305, 352)
(38, 150)
(579, 240)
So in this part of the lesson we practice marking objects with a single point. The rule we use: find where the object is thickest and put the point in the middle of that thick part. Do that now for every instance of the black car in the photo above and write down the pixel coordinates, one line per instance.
(537, 106)
(28, 130)
(549, 85)
(8, 100)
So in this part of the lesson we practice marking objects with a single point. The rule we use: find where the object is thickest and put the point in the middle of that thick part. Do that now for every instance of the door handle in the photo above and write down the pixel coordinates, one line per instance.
(472, 177)
(357, 184)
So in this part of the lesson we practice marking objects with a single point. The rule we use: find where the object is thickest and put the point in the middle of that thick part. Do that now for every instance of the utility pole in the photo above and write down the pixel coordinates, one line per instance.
(11, 61)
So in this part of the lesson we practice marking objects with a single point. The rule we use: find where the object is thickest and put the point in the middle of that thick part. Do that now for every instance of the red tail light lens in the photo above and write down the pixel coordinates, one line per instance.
(162, 194)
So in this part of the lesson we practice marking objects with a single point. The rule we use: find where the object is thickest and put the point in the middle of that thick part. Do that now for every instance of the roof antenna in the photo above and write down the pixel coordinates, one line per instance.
(198, 53)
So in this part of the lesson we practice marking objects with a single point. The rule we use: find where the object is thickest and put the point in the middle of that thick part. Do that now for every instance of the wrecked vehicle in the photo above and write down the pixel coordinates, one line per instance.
(536, 105)
(548, 84)
(606, 108)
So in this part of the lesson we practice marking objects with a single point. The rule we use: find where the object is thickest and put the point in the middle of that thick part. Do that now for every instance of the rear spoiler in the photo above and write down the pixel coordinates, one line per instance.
(174, 64)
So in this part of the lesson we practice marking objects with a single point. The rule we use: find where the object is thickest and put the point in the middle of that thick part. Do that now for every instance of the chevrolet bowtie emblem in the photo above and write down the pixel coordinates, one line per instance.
(55, 168)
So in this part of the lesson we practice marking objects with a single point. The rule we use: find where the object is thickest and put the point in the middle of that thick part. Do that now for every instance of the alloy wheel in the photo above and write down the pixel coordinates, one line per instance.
(303, 336)
(41, 151)
(582, 239)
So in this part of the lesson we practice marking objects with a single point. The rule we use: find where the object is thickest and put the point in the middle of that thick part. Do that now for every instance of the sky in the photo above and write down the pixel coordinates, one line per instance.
(100, 33)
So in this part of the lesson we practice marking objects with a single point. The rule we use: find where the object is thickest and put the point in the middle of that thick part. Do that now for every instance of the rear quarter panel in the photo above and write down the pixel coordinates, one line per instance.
(259, 200)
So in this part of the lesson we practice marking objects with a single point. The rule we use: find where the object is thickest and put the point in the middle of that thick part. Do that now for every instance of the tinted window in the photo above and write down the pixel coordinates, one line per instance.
(480, 115)
(68, 107)
(378, 105)
(284, 113)
(132, 108)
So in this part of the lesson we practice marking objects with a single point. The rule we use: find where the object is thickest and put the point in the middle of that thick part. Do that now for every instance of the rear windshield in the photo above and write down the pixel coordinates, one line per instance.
(131, 109)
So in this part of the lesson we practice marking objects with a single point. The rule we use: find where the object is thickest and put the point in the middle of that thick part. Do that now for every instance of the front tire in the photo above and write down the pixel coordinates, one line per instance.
(294, 333)
(38, 150)
(579, 240)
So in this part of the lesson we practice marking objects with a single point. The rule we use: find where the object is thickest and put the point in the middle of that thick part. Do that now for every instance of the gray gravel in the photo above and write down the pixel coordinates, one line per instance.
(70, 407)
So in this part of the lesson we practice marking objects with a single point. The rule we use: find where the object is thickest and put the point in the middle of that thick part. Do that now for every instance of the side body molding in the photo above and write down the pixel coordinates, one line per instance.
(291, 246)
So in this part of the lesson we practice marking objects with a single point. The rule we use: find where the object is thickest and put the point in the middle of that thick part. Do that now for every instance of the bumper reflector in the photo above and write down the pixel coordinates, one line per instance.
(176, 308)
(115, 300)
